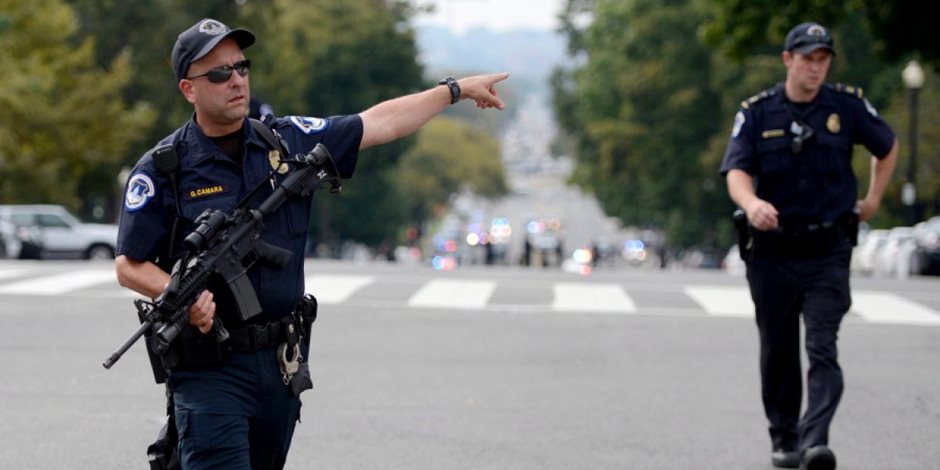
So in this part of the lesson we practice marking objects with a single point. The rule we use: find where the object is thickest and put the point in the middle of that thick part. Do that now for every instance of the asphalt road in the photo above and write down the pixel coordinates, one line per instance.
(519, 380)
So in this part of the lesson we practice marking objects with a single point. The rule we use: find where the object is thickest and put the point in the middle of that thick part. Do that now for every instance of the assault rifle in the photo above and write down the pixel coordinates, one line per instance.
(226, 245)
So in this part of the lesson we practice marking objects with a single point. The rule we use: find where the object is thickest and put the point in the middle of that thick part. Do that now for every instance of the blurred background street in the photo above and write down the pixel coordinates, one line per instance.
(554, 286)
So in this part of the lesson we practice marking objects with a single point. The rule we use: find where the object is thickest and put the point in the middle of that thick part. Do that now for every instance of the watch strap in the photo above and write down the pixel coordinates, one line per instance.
(453, 86)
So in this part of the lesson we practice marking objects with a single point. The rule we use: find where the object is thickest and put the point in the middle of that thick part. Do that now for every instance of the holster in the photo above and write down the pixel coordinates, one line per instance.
(745, 241)
(851, 222)
(163, 453)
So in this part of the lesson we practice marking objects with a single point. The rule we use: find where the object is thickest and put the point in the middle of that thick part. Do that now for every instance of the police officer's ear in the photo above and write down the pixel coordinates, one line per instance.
(186, 88)
(787, 57)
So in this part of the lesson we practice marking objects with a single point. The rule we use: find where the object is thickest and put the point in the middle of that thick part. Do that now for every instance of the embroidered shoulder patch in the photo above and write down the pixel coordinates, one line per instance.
(738, 123)
(140, 190)
(309, 125)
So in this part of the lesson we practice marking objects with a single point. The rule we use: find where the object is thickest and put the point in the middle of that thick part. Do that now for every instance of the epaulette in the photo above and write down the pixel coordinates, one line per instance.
(847, 89)
(760, 96)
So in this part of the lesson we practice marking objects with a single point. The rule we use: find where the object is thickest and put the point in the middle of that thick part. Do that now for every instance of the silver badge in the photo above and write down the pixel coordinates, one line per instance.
(212, 28)
(816, 30)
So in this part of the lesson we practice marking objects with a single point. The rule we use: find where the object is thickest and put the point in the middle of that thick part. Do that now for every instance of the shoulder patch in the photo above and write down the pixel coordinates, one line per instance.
(309, 125)
(140, 190)
(738, 123)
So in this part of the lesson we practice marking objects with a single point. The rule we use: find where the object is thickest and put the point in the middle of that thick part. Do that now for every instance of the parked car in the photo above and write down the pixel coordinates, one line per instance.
(863, 257)
(926, 256)
(50, 231)
(894, 255)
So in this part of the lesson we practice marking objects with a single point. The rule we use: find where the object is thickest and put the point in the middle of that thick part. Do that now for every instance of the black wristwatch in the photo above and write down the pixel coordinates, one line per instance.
(454, 87)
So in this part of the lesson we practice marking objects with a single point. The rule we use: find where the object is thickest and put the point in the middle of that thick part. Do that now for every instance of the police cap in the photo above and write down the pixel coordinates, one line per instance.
(808, 37)
(194, 43)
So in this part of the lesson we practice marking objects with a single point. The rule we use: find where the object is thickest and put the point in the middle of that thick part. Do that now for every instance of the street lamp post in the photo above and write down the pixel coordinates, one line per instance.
(913, 77)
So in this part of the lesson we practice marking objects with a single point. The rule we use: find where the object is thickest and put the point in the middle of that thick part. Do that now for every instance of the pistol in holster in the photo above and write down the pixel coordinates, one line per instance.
(851, 226)
(743, 231)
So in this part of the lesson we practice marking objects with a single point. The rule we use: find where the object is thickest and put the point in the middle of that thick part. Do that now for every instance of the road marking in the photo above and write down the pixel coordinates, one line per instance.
(335, 289)
(722, 301)
(61, 283)
(591, 297)
(5, 273)
(884, 307)
(462, 294)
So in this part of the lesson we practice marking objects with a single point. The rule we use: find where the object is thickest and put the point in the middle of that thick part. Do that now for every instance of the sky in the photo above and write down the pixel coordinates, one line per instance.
(499, 15)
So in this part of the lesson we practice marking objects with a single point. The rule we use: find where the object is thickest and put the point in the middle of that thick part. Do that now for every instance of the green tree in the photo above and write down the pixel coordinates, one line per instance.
(448, 157)
(641, 110)
(927, 169)
(745, 27)
(58, 109)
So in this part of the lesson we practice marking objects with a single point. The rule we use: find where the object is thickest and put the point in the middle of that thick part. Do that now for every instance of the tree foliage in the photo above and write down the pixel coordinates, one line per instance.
(640, 109)
(62, 116)
(449, 156)
(649, 107)
(902, 27)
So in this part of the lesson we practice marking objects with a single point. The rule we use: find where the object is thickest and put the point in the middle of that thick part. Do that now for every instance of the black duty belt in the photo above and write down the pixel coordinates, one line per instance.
(257, 337)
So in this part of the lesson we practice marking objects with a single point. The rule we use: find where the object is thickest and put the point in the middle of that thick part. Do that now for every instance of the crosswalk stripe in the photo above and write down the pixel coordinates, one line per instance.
(884, 307)
(591, 297)
(722, 301)
(335, 289)
(61, 283)
(461, 294)
(5, 273)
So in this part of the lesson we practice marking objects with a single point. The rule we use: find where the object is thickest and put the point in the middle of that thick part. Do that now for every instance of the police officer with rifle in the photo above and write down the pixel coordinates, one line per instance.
(235, 401)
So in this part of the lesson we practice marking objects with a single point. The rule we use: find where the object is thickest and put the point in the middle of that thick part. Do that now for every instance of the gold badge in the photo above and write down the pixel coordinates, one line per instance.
(275, 158)
(833, 123)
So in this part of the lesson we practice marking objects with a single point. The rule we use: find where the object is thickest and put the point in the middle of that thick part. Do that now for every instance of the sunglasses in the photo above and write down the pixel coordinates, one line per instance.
(224, 73)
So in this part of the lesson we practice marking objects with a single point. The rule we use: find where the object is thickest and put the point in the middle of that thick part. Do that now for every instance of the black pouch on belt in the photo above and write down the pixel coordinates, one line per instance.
(304, 314)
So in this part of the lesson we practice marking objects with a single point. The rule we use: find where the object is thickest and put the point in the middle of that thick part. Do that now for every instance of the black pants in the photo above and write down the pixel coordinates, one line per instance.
(783, 286)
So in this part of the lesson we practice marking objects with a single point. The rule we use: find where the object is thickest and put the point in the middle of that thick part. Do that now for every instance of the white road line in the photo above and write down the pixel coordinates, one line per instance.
(591, 297)
(335, 289)
(459, 294)
(884, 307)
(61, 283)
(5, 273)
(722, 301)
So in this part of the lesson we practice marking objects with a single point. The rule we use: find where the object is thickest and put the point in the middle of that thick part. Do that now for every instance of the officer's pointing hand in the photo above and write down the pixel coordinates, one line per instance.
(202, 312)
(482, 90)
(762, 215)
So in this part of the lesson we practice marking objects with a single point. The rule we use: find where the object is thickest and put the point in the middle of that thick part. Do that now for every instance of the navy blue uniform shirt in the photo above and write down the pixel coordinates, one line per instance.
(209, 179)
(817, 184)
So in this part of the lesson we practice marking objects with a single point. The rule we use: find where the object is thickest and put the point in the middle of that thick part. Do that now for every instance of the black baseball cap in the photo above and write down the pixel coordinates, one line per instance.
(808, 37)
(194, 43)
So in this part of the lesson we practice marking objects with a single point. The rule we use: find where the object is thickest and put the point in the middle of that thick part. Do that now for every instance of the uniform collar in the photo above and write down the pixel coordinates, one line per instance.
(201, 147)
(823, 99)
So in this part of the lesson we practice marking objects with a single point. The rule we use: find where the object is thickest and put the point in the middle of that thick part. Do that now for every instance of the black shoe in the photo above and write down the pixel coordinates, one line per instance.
(818, 458)
(785, 458)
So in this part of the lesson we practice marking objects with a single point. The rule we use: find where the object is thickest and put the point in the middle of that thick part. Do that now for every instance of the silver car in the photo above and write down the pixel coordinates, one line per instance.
(50, 231)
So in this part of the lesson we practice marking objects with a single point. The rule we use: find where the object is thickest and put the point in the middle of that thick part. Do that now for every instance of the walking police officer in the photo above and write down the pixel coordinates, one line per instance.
(788, 166)
(234, 409)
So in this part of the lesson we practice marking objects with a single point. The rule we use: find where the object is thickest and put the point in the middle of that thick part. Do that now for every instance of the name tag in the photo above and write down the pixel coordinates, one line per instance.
(773, 133)
(207, 191)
